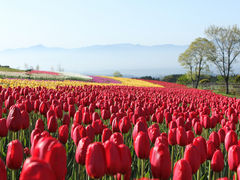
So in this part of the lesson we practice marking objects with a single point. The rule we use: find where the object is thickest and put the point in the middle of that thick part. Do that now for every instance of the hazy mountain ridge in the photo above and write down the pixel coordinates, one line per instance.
(130, 59)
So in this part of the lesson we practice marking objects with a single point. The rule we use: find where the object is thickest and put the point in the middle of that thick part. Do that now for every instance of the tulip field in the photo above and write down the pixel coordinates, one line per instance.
(116, 128)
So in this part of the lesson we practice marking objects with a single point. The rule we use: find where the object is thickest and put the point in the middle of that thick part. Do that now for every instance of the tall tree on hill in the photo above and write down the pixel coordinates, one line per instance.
(227, 44)
(195, 58)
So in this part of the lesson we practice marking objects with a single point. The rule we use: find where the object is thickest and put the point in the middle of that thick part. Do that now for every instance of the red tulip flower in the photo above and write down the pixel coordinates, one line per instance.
(96, 166)
(63, 134)
(53, 152)
(125, 159)
(117, 138)
(142, 145)
(160, 161)
(182, 170)
(234, 157)
(106, 134)
(14, 157)
(34, 168)
(191, 154)
(172, 136)
(3, 128)
(14, 119)
(201, 144)
(181, 136)
(81, 151)
(113, 160)
(211, 148)
(217, 162)
(230, 139)
(52, 124)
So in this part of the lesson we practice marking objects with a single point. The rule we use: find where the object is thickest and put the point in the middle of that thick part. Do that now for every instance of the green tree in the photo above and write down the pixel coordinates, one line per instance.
(184, 79)
(117, 74)
(195, 59)
(227, 44)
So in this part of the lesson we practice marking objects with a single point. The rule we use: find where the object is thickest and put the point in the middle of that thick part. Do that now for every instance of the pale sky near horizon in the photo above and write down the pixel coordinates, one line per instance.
(77, 23)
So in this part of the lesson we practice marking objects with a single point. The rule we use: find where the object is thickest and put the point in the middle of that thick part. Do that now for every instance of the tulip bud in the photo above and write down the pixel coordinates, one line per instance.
(3, 128)
(160, 161)
(34, 168)
(96, 160)
(81, 151)
(14, 119)
(142, 145)
(182, 170)
(230, 139)
(3, 171)
(191, 154)
(63, 134)
(217, 162)
(234, 157)
(14, 157)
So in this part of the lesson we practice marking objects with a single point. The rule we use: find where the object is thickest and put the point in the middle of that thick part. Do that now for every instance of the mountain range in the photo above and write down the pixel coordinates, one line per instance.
(130, 59)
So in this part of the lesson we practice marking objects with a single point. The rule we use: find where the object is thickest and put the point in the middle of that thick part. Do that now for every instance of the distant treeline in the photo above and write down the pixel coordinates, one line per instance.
(184, 79)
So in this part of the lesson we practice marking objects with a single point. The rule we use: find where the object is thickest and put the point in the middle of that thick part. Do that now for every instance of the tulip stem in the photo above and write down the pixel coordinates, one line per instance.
(172, 157)
(235, 175)
(214, 175)
(209, 170)
(142, 168)
(198, 174)
(122, 176)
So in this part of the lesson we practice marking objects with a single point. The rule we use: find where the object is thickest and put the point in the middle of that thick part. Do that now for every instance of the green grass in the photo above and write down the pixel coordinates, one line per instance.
(228, 95)
(6, 69)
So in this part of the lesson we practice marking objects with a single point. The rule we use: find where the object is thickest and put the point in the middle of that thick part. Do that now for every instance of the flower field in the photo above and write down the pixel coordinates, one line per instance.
(116, 128)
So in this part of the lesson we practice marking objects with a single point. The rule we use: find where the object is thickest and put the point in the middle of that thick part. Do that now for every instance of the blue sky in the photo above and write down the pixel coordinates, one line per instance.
(77, 23)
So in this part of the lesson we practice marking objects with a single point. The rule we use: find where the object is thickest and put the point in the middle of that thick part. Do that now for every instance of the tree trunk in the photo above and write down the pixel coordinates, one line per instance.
(227, 85)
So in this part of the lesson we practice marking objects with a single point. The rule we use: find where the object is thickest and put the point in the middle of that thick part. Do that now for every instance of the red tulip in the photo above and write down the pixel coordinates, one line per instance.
(217, 162)
(221, 135)
(71, 110)
(96, 166)
(181, 136)
(106, 134)
(125, 125)
(43, 108)
(52, 124)
(34, 168)
(3, 171)
(211, 148)
(39, 125)
(90, 132)
(200, 143)
(125, 159)
(191, 154)
(63, 134)
(139, 126)
(81, 151)
(50, 150)
(234, 157)
(160, 161)
(25, 118)
(58, 112)
(3, 128)
(78, 133)
(116, 138)
(142, 145)
(153, 133)
(215, 139)
(77, 117)
(172, 136)
(230, 139)
(182, 170)
(14, 119)
(113, 159)
(190, 136)
(14, 157)
(86, 118)
(198, 128)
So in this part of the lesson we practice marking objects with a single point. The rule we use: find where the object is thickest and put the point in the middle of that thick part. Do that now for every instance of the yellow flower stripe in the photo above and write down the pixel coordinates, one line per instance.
(133, 82)
(53, 84)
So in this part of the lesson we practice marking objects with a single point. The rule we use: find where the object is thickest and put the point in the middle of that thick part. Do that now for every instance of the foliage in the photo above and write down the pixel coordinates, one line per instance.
(184, 79)
(204, 81)
(171, 78)
(227, 49)
(117, 74)
(195, 59)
